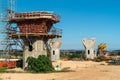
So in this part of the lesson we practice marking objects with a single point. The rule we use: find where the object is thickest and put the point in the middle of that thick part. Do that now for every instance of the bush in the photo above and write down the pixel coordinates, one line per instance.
(20, 63)
(74, 55)
(118, 53)
(40, 64)
(115, 61)
(99, 59)
(3, 70)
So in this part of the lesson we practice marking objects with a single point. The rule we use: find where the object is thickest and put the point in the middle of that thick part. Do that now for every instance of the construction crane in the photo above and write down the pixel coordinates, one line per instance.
(102, 49)
(102, 46)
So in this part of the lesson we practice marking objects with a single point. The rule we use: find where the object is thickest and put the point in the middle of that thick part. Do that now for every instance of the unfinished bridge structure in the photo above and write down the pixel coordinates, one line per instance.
(38, 34)
(35, 33)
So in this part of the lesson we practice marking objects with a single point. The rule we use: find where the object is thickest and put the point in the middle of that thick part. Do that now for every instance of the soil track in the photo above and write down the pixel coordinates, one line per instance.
(83, 70)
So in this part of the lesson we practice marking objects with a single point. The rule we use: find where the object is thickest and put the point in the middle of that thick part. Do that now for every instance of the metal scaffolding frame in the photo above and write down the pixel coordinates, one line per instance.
(8, 10)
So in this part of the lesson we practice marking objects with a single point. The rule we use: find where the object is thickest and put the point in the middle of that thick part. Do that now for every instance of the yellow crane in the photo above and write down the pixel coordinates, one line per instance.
(102, 46)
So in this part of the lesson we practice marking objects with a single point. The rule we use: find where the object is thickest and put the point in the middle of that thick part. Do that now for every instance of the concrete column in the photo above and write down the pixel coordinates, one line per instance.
(55, 54)
(37, 49)
(55, 48)
(89, 47)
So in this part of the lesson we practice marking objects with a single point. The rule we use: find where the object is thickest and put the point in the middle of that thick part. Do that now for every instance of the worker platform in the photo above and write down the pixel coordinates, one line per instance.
(36, 24)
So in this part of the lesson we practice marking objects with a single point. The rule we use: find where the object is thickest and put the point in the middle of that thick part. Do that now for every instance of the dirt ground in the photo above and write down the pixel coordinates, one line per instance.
(82, 70)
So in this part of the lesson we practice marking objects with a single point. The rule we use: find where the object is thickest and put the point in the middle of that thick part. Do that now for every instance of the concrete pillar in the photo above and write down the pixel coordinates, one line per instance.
(55, 54)
(55, 48)
(89, 47)
(37, 49)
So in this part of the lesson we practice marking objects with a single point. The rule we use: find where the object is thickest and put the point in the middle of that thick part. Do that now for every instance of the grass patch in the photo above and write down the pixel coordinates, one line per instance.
(5, 70)
(2, 70)
(114, 62)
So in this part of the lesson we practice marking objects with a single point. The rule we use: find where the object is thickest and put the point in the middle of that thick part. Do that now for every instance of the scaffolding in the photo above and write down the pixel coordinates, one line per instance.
(8, 45)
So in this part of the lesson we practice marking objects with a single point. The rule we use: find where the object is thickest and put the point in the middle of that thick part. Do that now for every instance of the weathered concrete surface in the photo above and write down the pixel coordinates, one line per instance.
(55, 49)
(38, 48)
(89, 47)
(55, 54)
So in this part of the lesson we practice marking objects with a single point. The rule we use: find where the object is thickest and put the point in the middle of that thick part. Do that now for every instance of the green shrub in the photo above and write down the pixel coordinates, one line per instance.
(99, 59)
(74, 55)
(20, 63)
(3, 70)
(115, 62)
(40, 64)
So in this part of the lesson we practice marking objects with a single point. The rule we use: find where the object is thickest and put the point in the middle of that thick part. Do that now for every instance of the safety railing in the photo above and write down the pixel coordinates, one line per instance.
(56, 31)
(40, 14)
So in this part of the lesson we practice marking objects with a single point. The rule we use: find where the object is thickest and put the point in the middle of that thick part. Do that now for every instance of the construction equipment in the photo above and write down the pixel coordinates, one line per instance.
(102, 49)
(102, 46)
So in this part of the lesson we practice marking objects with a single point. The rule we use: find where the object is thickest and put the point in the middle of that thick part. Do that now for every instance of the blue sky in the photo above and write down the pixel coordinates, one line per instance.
(82, 19)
